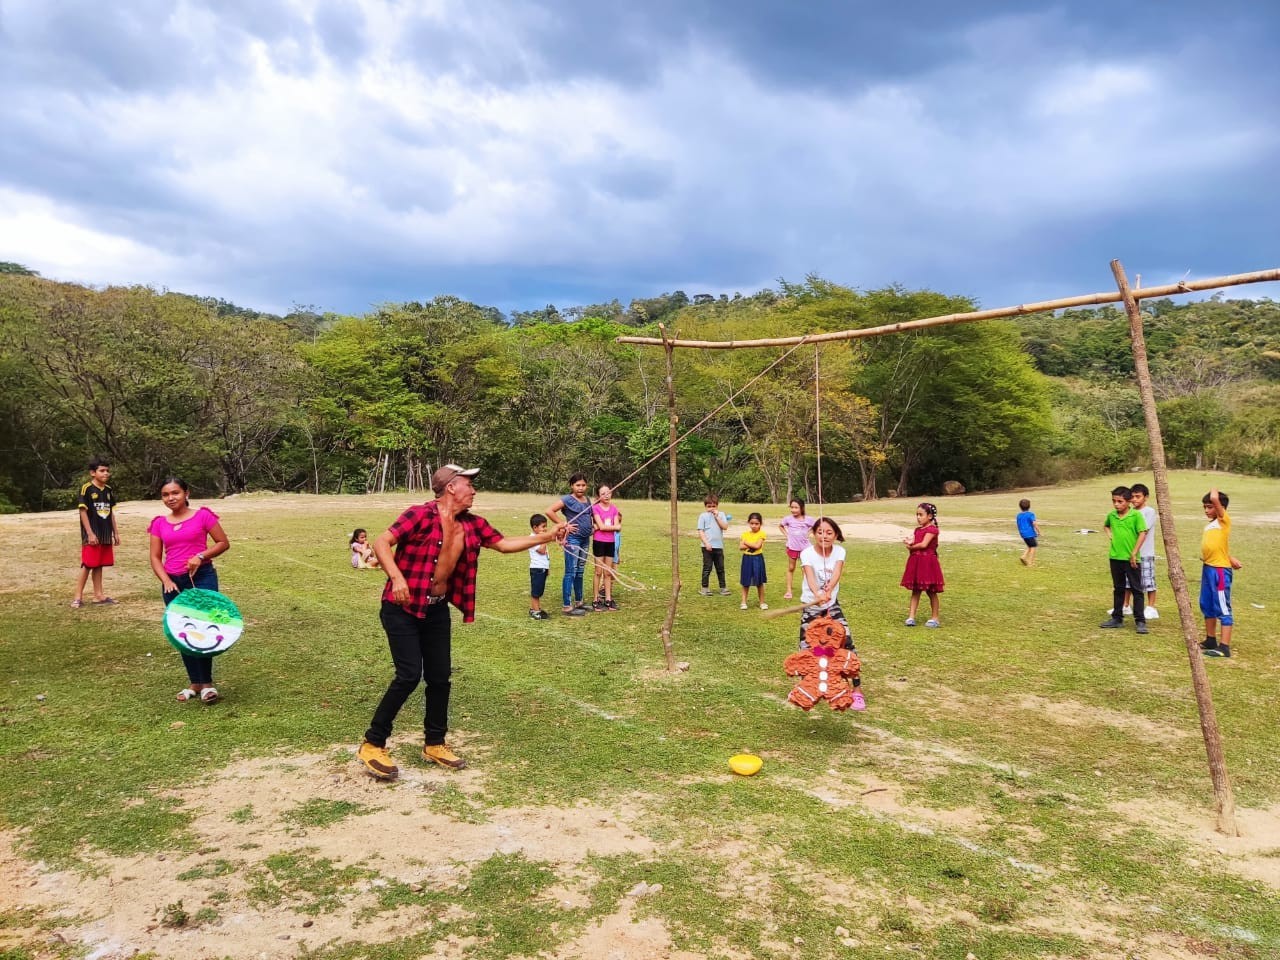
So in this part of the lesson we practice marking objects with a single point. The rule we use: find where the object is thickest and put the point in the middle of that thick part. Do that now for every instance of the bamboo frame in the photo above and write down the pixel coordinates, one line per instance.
(1089, 299)
(673, 419)
(1224, 798)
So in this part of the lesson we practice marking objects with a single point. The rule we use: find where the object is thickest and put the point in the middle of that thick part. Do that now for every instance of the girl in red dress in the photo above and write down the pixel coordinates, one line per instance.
(924, 572)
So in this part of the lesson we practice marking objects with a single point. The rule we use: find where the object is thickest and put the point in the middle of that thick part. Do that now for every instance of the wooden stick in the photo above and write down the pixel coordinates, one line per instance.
(1177, 577)
(782, 612)
(1088, 299)
(669, 623)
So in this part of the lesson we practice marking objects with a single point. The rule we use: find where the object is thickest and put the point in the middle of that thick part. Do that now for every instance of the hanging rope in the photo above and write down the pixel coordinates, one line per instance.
(614, 572)
(817, 424)
(701, 423)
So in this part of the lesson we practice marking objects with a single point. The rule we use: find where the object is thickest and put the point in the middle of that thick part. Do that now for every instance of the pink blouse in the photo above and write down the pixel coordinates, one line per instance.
(184, 539)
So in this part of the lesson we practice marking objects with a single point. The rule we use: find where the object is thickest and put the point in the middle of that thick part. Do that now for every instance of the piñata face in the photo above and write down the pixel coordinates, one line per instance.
(202, 623)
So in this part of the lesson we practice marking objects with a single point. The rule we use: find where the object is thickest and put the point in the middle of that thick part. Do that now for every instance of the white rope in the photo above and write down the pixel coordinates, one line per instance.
(817, 425)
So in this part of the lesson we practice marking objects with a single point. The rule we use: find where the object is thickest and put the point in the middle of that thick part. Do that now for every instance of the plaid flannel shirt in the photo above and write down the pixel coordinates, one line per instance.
(419, 538)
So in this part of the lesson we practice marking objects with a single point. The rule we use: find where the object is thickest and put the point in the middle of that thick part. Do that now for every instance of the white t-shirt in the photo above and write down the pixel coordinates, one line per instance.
(1148, 548)
(539, 559)
(824, 568)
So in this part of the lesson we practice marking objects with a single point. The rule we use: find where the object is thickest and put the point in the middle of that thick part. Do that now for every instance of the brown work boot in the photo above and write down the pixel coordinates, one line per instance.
(439, 753)
(377, 761)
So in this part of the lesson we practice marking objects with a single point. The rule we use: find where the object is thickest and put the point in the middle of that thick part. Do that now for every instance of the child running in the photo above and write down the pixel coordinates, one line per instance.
(362, 557)
(796, 529)
(924, 572)
(821, 565)
(606, 521)
(1029, 531)
(539, 569)
(752, 546)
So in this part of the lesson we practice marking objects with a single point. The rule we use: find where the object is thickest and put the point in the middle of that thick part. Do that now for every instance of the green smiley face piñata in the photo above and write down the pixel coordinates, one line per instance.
(202, 623)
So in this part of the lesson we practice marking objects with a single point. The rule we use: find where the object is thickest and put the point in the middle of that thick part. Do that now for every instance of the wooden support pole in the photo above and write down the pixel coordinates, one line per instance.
(1177, 576)
(673, 419)
(1089, 299)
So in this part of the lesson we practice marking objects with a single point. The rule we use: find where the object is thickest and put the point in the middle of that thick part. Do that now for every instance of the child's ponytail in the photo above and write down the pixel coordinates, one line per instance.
(931, 510)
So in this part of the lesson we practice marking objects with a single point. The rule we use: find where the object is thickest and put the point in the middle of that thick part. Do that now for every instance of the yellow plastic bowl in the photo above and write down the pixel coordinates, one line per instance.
(745, 764)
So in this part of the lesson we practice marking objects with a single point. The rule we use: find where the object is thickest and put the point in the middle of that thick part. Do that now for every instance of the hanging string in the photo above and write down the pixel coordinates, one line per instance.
(680, 439)
(701, 423)
(817, 424)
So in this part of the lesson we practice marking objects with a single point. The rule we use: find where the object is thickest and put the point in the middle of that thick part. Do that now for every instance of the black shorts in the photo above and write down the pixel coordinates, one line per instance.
(602, 548)
(1029, 541)
(537, 581)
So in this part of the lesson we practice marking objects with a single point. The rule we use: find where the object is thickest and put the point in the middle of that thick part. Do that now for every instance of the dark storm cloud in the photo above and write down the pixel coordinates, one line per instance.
(348, 152)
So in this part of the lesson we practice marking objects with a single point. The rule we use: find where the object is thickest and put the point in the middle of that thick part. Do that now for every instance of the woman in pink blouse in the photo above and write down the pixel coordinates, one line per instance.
(181, 559)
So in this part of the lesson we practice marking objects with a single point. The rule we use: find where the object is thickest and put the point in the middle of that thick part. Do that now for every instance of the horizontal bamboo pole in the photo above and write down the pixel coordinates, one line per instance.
(1089, 299)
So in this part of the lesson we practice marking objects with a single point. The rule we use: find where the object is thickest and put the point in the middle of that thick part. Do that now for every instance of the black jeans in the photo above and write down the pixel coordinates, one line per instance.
(710, 558)
(1125, 576)
(419, 651)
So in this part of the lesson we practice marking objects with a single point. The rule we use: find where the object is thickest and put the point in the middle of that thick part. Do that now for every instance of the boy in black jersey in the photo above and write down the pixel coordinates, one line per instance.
(99, 535)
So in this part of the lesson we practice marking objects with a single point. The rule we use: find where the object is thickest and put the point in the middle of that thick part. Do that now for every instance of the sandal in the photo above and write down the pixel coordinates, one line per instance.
(77, 604)
(187, 694)
(104, 601)
(208, 695)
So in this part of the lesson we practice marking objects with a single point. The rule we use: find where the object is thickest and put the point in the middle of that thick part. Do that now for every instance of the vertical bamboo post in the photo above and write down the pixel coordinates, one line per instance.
(1177, 576)
(673, 420)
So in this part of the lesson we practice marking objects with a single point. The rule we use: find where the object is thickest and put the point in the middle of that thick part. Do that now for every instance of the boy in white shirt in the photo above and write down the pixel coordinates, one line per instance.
(1146, 550)
(539, 568)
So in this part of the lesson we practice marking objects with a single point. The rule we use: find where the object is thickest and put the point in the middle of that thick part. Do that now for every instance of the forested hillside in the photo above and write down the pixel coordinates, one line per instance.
(235, 400)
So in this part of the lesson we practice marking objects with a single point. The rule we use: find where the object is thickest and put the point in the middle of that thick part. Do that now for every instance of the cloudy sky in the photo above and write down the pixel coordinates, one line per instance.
(344, 153)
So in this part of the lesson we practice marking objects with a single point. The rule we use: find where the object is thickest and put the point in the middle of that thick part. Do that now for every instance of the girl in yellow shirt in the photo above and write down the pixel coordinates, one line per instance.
(752, 547)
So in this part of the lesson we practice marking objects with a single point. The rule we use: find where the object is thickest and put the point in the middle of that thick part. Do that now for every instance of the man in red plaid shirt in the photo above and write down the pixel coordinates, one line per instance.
(430, 555)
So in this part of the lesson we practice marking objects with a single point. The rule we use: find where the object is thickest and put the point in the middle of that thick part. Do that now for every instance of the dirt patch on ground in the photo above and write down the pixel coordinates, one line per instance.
(878, 531)
(258, 817)
(1071, 713)
(1254, 854)
(432, 829)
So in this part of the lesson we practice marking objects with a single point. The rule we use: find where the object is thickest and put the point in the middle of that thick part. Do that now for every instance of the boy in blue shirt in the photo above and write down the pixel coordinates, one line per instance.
(711, 527)
(1028, 530)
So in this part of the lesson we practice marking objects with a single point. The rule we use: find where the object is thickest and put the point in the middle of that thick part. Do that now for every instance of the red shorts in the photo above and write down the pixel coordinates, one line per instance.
(97, 555)
(793, 554)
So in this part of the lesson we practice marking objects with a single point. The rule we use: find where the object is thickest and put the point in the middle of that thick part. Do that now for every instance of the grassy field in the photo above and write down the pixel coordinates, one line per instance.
(1022, 783)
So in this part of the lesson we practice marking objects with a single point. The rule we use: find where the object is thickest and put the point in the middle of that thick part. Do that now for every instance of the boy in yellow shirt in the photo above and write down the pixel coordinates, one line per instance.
(1215, 577)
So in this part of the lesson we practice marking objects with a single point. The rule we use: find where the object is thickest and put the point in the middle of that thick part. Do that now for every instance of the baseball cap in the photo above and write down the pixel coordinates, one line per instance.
(440, 479)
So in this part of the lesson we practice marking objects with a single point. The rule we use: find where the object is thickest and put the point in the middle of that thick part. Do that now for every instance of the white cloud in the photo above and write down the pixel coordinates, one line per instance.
(44, 236)
(297, 161)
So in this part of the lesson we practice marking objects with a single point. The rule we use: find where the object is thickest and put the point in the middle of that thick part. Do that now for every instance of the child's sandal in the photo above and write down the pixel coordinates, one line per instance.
(187, 694)
(209, 695)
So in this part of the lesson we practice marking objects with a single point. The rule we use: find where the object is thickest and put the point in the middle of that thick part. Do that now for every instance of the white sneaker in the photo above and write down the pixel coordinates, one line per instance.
(764, 606)
(1152, 613)
(742, 606)
(1128, 611)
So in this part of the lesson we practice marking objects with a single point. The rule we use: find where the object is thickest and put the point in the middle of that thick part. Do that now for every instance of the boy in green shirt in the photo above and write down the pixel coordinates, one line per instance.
(1127, 530)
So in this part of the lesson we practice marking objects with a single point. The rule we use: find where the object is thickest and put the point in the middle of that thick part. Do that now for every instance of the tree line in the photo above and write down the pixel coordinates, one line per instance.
(234, 400)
